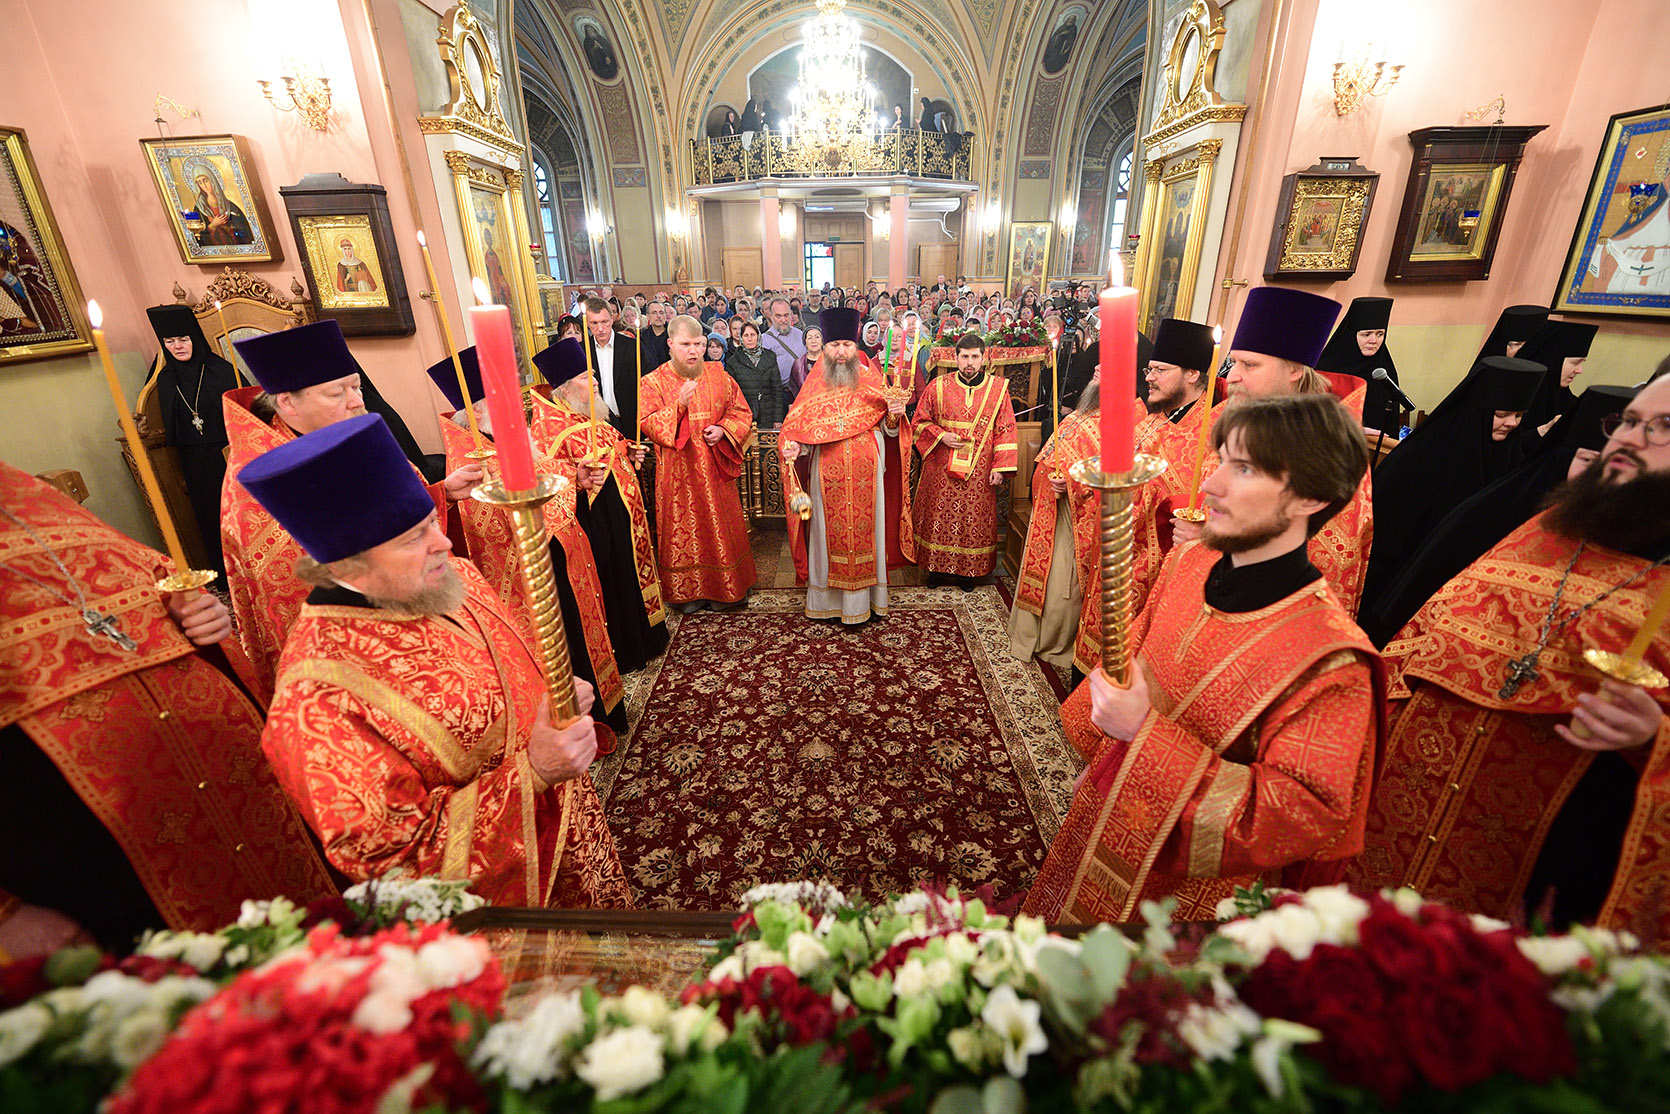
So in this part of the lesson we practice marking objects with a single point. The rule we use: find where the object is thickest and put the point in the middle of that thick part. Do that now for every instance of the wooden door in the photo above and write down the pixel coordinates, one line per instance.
(743, 266)
(933, 260)
(849, 265)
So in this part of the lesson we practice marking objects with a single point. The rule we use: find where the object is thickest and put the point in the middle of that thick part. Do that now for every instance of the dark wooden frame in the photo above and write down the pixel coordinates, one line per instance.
(1358, 183)
(1436, 148)
(331, 195)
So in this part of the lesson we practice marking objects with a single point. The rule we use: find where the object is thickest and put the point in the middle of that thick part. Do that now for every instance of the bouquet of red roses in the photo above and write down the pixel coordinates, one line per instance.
(1021, 334)
(338, 1025)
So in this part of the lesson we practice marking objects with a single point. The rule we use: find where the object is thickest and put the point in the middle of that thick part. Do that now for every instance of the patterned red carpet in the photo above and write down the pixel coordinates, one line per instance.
(768, 747)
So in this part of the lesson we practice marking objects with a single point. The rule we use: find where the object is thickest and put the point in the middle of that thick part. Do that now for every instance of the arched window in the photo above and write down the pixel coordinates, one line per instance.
(1120, 199)
(547, 216)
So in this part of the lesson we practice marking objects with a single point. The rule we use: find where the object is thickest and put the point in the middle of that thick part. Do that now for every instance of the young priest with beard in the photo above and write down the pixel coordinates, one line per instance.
(410, 723)
(1245, 745)
(1516, 780)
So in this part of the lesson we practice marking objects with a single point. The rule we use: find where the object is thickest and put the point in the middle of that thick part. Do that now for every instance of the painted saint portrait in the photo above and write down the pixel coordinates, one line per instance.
(342, 257)
(599, 51)
(40, 314)
(1059, 50)
(1029, 247)
(1176, 217)
(1318, 225)
(213, 204)
(1619, 259)
(1457, 210)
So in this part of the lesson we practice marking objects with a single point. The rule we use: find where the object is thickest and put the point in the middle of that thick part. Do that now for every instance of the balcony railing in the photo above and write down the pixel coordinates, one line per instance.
(917, 154)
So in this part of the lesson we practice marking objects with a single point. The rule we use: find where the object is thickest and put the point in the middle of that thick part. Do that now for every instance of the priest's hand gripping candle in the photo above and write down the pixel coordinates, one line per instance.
(500, 378)
(1206, 416)
(1117, 307)
(451, 345)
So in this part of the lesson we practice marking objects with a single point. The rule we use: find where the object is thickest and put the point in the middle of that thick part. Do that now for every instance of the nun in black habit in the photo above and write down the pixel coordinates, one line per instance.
(1357, 347)
(1561, 347)
(1475, 525)
(189, 385)
(1515, 326)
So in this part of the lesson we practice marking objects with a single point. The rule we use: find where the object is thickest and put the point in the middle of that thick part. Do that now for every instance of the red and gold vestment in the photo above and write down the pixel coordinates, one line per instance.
(701, 539)
(260, 554)
(1077, 439)
(566, 435)
(842, 424)
(491, 542)
(1474, 780)
(1255, 762)
(404, 742)
(955, 508)
(158, 743)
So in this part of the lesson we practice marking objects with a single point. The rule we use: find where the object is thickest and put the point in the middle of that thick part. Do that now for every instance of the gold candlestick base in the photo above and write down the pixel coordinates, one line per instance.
(895, 393)
(533, 547)
(1117, 540)
(481, 455)
(189, 581)
(1190, 514)
(1620, 668)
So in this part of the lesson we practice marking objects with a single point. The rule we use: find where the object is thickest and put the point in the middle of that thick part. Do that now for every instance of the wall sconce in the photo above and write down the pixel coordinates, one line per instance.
(785, 223)
(1068, 218)
(309, 96)
(598, 226)
(677, 225)
(1358, 79)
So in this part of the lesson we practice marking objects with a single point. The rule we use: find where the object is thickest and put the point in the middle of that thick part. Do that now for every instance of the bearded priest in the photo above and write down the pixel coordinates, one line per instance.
(965, 431)
(1519, 784)
(1245, 745)
(848, 449)
(700, 423)
(410, 723)
(307, 380)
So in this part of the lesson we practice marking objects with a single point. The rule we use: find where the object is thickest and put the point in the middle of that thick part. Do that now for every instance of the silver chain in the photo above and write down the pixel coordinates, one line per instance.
(97, 622)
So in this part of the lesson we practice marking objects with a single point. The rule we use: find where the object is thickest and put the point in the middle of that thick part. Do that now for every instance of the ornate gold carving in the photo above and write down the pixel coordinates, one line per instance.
(1184, 93)
(1153, 169)
(231, 283)
(1352, 195)
(915, 153)
(457, 161)
(513, 179)
(1220, 114)
(473, 79)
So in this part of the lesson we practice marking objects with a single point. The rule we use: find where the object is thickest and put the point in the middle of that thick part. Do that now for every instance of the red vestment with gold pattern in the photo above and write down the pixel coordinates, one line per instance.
(404, 741)
(955, 508)
(701, 539)
(491, 541)
(1339, 550)
(566, 435)
(1077, 439)
(1255, 762)
(260, 554)
(1475, 779)
(842, 424)
(159, 744)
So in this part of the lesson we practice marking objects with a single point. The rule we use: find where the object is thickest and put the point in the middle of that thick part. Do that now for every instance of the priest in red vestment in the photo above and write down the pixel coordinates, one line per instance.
(133, 792)
(1245, 746)
(490, 544)
(700, 423)
(307, 379)
(848, 448)
(410, 723)
(1062, 540)
(612, 511)
(965, 431)
(1520, 783)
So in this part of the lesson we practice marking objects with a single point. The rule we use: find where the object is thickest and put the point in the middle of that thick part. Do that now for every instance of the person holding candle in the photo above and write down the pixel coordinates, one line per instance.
(135, 795)
(306, 380)
(1517, 781)
(849, 448)
(1245, 745)
(965, 432)
(696, 416)
(611, 512)
(490, 545)
(410, 723)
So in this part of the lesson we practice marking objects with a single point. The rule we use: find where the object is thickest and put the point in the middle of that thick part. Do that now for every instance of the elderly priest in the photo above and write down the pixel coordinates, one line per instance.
(409, 722)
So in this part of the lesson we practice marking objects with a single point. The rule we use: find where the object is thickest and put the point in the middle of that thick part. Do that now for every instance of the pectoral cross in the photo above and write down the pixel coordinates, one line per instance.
(197, 422)
(1520, 670)
(100, 623)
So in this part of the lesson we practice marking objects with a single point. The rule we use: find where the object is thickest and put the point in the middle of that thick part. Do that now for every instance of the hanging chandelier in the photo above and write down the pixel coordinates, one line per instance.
(833, 98)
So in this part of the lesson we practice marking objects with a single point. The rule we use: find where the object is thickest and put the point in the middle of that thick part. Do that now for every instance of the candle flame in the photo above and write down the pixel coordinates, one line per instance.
(95, 315)
(422, 243)
(482, 295)
(1116, 270)
(1217, 334)
(217, 303)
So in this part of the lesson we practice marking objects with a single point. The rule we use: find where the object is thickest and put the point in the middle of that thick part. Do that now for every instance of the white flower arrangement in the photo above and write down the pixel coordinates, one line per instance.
(418, 900)
(113, 1018)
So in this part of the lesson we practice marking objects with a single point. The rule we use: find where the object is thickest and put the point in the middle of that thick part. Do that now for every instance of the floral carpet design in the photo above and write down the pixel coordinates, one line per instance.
(766, 746)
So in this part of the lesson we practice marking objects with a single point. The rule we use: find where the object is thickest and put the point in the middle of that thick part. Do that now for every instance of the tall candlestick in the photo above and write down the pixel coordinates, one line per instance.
(451, 345)
(591, 396)
(1055, 383)
(887, 357)
(502, 380)
(1117, 306)
(237, 376)
(638, 387)
(1206, 417)
(141, 461)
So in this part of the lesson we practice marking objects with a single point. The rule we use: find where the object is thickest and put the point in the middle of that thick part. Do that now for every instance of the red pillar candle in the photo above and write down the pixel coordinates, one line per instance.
(1118, 308)
(503, 384)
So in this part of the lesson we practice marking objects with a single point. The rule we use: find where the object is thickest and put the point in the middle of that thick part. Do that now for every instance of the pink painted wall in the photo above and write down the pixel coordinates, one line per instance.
(80, 79)
(1567, 65)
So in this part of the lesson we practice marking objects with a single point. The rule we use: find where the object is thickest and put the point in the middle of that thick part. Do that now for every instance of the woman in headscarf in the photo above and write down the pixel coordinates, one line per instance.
(1561, 347)
(189, 385)
(1357, 347)
(871, 342)
(754, 367)
(716, 348)
(1495, 511)
(1466, 443)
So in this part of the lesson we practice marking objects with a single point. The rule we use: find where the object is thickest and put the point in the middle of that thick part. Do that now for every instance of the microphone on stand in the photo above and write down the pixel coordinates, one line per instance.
(1390, 384)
